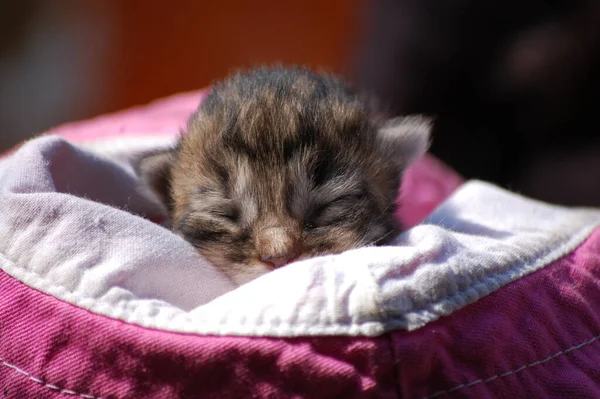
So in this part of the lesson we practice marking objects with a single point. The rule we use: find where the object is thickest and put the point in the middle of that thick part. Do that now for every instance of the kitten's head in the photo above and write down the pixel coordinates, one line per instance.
(284, 164)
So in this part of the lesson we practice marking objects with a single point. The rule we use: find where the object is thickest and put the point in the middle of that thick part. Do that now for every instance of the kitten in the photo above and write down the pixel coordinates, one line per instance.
(281, 164)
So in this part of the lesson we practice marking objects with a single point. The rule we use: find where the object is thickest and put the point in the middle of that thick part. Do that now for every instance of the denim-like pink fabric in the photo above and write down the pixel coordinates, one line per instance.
(538, 337)
(535, 338)
(52, 349)
(168, 115)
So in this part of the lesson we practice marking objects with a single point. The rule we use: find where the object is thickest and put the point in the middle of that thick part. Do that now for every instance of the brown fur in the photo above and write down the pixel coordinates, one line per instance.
(283, 164)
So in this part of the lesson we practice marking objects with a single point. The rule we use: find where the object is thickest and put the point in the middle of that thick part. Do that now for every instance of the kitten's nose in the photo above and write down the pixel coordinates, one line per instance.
(281, 260)
(278, 246)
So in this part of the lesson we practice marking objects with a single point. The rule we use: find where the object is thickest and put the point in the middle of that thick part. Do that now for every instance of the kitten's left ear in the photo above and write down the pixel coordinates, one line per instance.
(405, 139)
(154, 169)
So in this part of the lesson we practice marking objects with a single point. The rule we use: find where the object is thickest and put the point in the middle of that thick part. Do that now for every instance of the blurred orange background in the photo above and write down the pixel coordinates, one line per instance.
(62, 60)
(166, 49)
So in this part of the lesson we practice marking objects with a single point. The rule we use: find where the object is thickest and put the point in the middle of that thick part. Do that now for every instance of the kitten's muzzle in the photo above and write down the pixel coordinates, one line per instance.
(282, 261)
(278, 246)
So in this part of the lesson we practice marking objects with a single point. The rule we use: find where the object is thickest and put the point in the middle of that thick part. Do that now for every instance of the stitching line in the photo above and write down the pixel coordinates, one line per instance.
(524, 268)
(515, 371)
(41, 382)
(494, 281)
(391, 322)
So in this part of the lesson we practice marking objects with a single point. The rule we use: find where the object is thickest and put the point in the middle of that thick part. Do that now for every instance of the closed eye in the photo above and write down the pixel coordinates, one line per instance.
(214, 203)
(229, 212)
(199, 233)
(335, 212)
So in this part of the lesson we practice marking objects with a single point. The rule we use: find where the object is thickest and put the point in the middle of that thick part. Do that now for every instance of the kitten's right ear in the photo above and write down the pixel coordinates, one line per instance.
(155, 171)
(405, 139)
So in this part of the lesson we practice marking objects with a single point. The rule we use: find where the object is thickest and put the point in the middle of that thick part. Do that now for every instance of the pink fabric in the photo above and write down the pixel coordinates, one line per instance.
(535, 338)
(167, 115)
(538, 337)
(48, 346)
(426, 184)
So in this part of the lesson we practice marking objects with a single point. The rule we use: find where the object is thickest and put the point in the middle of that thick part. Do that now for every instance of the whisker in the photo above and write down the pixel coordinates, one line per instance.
(372, 242)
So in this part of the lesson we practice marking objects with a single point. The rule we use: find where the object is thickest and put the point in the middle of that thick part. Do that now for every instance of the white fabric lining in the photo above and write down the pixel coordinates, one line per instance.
(469, 247)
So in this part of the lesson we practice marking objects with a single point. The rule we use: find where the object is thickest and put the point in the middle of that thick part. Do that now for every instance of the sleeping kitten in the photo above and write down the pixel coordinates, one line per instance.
(283, 164)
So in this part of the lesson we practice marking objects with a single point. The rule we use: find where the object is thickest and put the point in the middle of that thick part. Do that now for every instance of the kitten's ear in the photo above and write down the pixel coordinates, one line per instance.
(155, 171)
(405, 139)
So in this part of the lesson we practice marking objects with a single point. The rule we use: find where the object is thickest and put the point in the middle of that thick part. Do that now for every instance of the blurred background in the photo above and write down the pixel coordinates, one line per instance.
(62, 60)
(513, 84)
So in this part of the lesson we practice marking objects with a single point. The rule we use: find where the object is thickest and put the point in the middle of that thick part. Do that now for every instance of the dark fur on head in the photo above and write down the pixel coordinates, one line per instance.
(280, 164)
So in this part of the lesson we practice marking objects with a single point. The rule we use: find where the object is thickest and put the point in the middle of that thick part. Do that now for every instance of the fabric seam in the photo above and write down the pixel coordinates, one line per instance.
(502, 278)
(514, 371)
(387, 324)
(45, 384)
